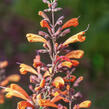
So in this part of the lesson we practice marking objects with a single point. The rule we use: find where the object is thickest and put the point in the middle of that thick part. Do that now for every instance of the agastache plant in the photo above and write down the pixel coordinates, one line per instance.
(50, 89)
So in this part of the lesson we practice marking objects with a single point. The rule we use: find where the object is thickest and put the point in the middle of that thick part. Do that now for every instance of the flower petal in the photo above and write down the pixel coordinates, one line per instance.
(44, 102)
(57, 98)
(36, 61)
(72, 79)
(24, 105)
(75, 54)
(59, 92)
(66, 64)
(58, 82)
(42, 83)
(70, 64)
(62, 58)
(26, 68)
(3, 64)
(76, 38)
(85, 104)
(72, 22)
(75, 62)
(14, 78)
(16, 90)
(4, 82)
(37, 88)
(44, 23)
(35, 38)
(1, 98)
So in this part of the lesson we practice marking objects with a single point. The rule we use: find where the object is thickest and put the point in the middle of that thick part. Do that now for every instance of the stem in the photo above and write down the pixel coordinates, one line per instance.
(53, 31)
(70, 99)
(53, 39)
(53, 21)
(70, 105)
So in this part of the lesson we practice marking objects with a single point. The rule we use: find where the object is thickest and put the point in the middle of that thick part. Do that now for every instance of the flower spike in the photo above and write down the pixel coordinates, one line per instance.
(54, 82)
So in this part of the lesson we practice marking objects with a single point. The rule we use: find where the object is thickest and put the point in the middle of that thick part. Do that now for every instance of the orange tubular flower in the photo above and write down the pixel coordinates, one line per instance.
(24, 105)
(35, 38)
(75, 54)
(44, 23)
(36, 61)
(75, 62)
(72, 79)
(58, 82)
(45, 103)
(84, 104)
(67, 64)
(50, 103)
(46, 74)
(42, 83)
(3, 64)
(59, 92)
(70, 64)
(17, 91)
(72, 22)
(57, 98)
(76, 38)
(4, 82)
(55, 93)
(1, 98)
(11, 78)
(37, 88)
(26, 68)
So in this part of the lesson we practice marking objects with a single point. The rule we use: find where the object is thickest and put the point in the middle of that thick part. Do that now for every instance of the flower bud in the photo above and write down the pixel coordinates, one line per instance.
(44, 23)
(42, 14)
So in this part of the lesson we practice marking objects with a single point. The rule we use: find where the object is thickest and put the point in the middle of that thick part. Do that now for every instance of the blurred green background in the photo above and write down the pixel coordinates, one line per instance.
(18, 17)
